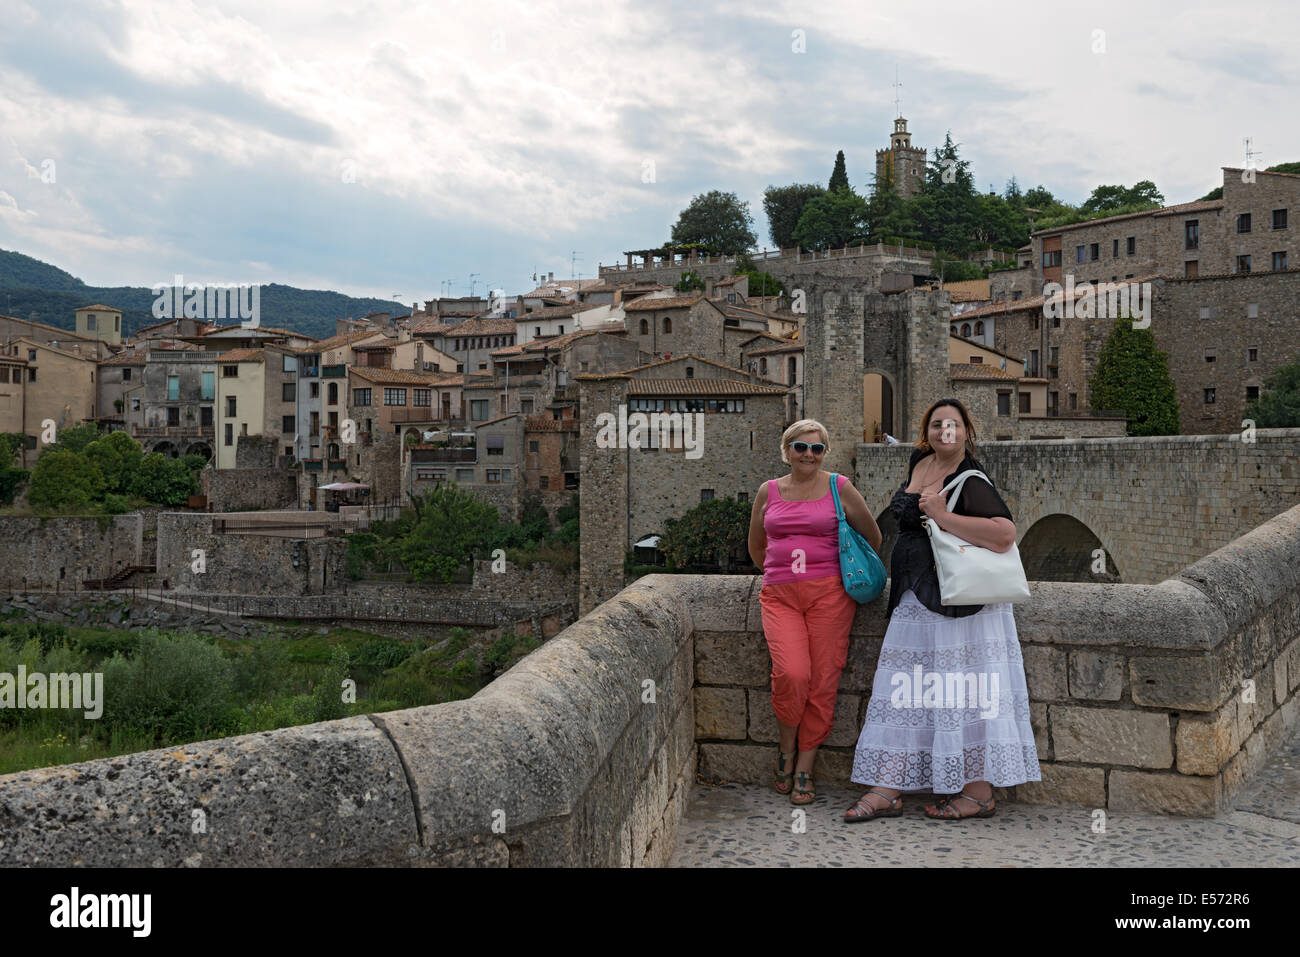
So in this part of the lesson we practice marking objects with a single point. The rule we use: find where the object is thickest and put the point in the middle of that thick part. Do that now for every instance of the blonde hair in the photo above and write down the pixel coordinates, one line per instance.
(798, 428)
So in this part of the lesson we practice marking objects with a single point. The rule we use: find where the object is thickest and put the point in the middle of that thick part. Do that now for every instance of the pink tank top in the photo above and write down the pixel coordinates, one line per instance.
(811, 526)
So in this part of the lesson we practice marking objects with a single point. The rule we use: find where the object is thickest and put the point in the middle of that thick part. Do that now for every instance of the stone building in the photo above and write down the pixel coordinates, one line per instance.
(470, 342)
(256, 396)
(172, 407)
(902, 161)
(628, 493)
(100, 322)
(118, 378)
(60, 387)
(691, 324)
(12, 328)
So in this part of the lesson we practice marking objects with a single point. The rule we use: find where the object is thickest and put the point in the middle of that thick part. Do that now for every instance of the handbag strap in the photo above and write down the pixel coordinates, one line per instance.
(835, 491)
(959, 481)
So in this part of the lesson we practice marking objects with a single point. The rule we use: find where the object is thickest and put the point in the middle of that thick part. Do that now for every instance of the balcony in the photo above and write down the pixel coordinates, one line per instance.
(334, 372)
(423, 455)
(313, 465)
(174, 432)
(338, 463)
(308, 372)
(421, 413)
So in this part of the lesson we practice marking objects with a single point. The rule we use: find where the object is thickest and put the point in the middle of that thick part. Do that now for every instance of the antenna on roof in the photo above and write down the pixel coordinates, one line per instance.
(1250, 154)
(898, 85)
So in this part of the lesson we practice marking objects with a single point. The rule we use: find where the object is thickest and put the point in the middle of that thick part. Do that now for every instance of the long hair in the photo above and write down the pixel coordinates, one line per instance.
(924, 444)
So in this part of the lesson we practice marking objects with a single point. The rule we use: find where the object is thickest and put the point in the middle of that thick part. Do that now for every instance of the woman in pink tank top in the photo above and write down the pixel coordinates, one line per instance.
(807, 614)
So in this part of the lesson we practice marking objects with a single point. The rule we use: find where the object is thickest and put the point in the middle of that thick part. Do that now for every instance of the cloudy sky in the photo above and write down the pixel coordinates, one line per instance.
(382, 147)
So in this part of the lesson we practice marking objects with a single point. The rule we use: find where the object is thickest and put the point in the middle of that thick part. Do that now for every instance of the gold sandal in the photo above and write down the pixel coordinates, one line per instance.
(987, 808)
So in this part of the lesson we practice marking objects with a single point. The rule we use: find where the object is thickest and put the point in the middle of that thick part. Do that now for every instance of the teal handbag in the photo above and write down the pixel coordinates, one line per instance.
(860, 567)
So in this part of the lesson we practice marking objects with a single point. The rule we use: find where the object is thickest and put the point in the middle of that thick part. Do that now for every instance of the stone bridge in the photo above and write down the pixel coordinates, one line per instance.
(1154, 698)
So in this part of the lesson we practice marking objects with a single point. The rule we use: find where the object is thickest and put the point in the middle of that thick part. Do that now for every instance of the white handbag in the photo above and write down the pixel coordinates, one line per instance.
(970, 574)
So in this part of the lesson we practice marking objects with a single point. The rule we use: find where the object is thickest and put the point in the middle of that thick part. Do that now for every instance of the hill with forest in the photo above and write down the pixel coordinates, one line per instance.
(35, 290)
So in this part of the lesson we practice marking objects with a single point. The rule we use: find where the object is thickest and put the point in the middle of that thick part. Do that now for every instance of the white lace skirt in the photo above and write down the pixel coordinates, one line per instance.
(948, 704)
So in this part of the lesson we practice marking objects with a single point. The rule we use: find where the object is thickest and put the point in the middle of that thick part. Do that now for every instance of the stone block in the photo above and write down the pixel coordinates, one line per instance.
(737, 763)
(719, 713)
(1065, 784)
(860, 667)
(1038, 721)
(1194, 683)
(1111, 736)
(1169, 793)
(1204, 744)
(1096, 677)
(732, 658)
(1280, 685)
(1046, 673)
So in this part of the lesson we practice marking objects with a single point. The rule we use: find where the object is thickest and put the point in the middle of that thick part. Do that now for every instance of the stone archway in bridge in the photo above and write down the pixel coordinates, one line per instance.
(1060, 548)
(166, 448)
(199, 448)
(878, 411)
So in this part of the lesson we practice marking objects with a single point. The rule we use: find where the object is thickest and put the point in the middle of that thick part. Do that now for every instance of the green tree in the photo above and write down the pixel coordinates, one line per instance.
(1133, 375)
(718, 221)
(887, 212)
(832, 220)
(713, 534)
(72, 438)
(11, 477)
(689, 281)
(783, 206)
(839, 175)
(1110, 199)
(1278, 406)
(118, 456)
(63, 479)
(760, 283)
(163, 480)
(449, 526)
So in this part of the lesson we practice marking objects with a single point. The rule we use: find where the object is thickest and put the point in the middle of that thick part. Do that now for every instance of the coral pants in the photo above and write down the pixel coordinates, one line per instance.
(807, 624)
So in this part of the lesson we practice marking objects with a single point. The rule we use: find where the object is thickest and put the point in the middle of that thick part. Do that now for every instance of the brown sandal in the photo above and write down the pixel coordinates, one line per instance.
(865, 812)
(987, 808)
(805, 788)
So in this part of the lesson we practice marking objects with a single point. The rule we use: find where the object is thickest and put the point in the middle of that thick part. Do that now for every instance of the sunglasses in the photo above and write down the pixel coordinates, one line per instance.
(801, 447)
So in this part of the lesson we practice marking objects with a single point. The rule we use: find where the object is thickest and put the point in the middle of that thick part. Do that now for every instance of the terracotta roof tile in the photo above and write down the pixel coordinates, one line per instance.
(242, 355)
(482, 327)
(675, 302)
(701, 387)
(977, 370)
(404, 375)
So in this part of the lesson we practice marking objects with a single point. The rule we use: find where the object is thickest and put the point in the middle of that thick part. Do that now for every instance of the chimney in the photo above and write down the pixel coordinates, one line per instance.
(550, 277)
(708, 288)
(419, 357)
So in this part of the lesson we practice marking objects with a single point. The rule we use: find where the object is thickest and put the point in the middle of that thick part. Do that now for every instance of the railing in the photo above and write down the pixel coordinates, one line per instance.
(174, 432)
(425, 456)
(338, 463)
(1059, 413)
(312, 465)
(421, 413)
(119, 576)
(334, 372)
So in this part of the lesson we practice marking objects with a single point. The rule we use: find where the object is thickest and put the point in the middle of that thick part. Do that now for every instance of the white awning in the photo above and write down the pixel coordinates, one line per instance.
(651, 541)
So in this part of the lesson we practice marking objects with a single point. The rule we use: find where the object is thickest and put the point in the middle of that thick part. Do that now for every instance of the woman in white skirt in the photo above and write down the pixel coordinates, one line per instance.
(949, 708)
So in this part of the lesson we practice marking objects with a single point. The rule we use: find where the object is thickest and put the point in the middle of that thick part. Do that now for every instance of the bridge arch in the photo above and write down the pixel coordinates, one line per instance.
(1060, 548)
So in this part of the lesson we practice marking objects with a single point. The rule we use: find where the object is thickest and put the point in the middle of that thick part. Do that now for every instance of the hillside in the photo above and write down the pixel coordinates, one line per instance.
(35, 290)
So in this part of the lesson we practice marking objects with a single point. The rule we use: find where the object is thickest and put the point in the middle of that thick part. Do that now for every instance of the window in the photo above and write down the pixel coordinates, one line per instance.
(532, 446)
(645, 327)
(288, 391)
(1078, 254)
(394, 397)
(1191, 269)
(117, 323)
(230, 433)
(1024, 403)
(207, 385)
(478, 409)
(690, 372)
(1205, 312)
(1243, 264)
(1252, 393)
(423, 398)
(979, 327)
(229, 372)
(1051, 363)
(1114, 248)
(496, 445)
(561, 330)
(570, 481)
(1279, 261)
(360, 396)
(1252, 354)
(126, 374)
(205, 416)
(1004, 403)
(1074, 401)
(1051, 259)
(706, 495)
(90, 322)
(135, 403)
(1243, 222)
(762, 366)
(976, 360)
(1094, 251)
(287, 425)
(1279, 219)
(668, 324)
(1209, 355)
(333, 394)
(544, 482)
(289, 364)
(464, 475)
(1209, 396)
(173, 416)
(230, 406)
(1132, 245)
(173, 388)
(526, 406)
(1016, 295)
(315, 390)
(1192, 234)
(494, 476)
(1252, 310)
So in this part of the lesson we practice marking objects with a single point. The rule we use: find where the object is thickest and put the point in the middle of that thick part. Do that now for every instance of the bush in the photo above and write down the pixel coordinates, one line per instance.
(116, 504)
(174, 688)
(65, 480)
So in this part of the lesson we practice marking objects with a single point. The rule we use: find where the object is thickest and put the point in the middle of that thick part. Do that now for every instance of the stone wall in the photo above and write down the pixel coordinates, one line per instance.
(1159, 698)
(245, 564)
(581, 755)
(242, 489)
(63, 552)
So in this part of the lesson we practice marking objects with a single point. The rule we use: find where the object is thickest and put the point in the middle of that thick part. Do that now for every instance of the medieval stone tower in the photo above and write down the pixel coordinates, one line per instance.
(872, 356)
(905, 161)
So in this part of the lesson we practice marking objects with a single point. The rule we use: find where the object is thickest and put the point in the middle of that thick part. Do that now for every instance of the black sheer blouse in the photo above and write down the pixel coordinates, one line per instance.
(912, 563)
